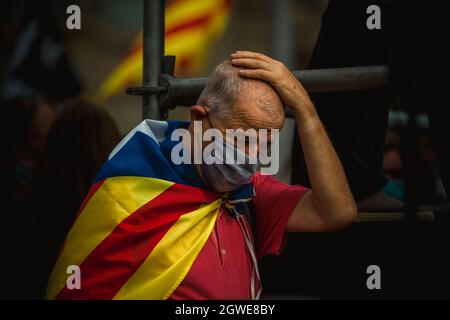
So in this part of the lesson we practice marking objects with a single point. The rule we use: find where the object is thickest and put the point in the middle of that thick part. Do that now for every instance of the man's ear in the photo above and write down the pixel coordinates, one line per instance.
(198, 112)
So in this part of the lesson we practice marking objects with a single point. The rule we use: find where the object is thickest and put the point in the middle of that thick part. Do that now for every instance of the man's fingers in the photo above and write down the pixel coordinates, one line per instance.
(251, 55)
(256, 74)
(250, 63)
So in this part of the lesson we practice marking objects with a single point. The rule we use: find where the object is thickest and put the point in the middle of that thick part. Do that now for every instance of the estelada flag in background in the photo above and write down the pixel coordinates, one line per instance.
(142, 224)
(190, 27)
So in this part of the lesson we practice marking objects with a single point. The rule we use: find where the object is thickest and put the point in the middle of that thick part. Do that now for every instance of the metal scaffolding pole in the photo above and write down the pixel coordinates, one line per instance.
(185, 91)
(282, 47)
(152, 57)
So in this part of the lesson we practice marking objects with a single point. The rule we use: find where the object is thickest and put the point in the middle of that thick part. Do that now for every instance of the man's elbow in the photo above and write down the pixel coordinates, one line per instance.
(345, 214)
(340, 215)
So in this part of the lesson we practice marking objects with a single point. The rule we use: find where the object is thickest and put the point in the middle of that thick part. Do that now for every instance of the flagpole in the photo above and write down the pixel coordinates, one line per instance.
(153, 52)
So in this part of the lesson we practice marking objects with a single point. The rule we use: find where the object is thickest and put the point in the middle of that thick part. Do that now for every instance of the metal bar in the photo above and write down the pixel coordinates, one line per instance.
(281, 35)
(153, 52)
(185, 91)
(344, 79)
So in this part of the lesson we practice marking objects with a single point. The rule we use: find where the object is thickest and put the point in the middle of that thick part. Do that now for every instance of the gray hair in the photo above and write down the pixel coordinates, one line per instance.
(221, 90)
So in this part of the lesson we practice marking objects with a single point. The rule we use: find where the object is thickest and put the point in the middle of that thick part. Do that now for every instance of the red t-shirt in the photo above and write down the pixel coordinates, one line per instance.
(223, 268)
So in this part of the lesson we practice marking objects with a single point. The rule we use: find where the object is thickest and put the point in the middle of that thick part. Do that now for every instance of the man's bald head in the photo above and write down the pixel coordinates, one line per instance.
(246, 102)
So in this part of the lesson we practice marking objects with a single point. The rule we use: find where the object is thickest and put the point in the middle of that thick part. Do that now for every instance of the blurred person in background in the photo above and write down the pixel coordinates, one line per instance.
(26, 122)
(78, 143)
(355, 120)
(408, 42)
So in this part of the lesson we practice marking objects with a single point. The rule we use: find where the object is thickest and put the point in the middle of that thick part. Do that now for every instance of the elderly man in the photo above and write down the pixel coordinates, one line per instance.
(196, 231)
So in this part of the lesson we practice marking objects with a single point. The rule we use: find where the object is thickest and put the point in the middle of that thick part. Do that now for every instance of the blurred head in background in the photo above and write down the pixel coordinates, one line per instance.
(79, 141)
(26, 122)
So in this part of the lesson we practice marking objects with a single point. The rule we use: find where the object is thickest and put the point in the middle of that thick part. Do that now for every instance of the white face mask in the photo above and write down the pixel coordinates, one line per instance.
(226, 177)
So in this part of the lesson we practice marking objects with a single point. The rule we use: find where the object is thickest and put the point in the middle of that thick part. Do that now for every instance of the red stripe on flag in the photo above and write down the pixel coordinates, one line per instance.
(109, 266)
(226, 4)
(137, 49)
(189, 24)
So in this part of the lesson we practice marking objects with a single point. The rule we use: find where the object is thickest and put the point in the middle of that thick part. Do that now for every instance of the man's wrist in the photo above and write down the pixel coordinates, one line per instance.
(311, 124)
(305, 112)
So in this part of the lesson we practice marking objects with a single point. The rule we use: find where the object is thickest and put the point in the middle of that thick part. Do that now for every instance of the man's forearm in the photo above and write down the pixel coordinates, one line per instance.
(330, 191)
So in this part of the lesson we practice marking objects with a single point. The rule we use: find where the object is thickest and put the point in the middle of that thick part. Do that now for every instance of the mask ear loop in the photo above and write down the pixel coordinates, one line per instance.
(210, 125)
(209, 120)
(207, 116)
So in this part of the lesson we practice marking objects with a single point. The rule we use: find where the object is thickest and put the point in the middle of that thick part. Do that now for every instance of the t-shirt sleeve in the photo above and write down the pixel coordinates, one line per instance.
(274, 203)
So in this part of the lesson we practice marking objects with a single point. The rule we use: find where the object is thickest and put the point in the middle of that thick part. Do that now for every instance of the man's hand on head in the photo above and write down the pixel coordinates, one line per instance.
(259, 66)
(330, 204)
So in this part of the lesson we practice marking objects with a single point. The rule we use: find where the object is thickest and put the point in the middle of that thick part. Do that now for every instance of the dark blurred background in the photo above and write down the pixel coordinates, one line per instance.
(58, 126)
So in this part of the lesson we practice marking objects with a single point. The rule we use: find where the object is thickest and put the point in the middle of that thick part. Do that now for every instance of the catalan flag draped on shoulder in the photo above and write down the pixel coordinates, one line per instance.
(191, 26)
(141, 226)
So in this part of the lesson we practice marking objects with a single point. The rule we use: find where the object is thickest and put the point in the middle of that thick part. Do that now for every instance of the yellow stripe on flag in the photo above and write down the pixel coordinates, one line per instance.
(172, 258)
(184, 10)
(115, 200)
